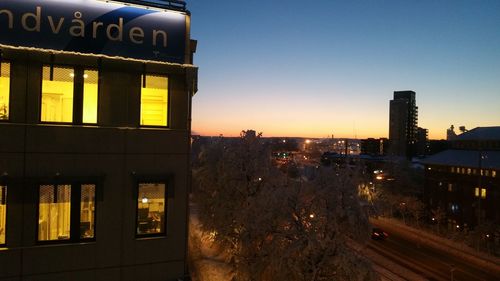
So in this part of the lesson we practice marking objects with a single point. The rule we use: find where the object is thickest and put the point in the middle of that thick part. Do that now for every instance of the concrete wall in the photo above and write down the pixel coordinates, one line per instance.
(116, 151)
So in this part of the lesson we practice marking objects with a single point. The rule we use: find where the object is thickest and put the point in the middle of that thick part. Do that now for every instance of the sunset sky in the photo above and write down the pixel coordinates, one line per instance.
(317, 68)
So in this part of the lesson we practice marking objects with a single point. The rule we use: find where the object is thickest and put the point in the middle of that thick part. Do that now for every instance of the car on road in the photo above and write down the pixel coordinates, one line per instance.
(379, 234)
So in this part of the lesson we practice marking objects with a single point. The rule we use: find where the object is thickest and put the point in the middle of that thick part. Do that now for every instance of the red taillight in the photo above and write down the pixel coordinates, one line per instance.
(376, 234)
(387, 235)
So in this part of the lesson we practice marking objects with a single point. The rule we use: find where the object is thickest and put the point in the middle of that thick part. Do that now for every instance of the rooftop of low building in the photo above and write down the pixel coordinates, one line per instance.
(481, 133)
(465, 158)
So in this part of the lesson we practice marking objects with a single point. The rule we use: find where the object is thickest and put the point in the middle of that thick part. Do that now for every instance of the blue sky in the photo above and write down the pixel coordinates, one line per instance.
(304, 68)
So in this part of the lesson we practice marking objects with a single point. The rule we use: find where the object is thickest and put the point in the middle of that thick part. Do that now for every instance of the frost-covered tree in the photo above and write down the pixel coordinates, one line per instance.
(274, 227)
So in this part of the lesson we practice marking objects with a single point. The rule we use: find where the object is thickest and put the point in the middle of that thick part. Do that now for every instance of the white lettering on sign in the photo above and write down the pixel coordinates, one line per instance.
(34, 21)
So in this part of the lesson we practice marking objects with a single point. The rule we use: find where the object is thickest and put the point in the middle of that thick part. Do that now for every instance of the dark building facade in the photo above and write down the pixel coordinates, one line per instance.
(422, 145)
(403, 118)
(94, 141)
(465, 180)
(373, 146)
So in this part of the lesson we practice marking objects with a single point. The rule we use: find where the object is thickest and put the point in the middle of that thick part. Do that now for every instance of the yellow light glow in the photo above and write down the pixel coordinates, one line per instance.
(87, 211)
(154, 101)
(4, 91)
(483, 193)
(54, 213)
(3, 213)
(57, 95)
(90, 96)
(151, 208)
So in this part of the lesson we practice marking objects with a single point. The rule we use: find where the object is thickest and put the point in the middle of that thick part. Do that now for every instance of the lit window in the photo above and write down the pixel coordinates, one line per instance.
(154, 101)
(493, 173)
(486, 172)
(87, 211)
(151, 208)
(469, 171)
(476, 191)
(4, 90)
(90, 93)
(54, 213)
(452, 169)
(57, 94)
(483, 193)
(3, 213)
(55, 222)
(450, 187)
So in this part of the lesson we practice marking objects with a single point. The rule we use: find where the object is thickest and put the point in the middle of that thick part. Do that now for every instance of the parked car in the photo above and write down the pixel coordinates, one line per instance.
(379, 234)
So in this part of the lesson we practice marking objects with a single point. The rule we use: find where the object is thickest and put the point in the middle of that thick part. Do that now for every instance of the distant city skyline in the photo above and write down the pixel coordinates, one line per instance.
(331, 67)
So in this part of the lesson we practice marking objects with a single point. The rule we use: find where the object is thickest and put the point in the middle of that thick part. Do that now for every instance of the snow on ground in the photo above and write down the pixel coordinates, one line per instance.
(484, 260)
(207, 260)
(384, 267)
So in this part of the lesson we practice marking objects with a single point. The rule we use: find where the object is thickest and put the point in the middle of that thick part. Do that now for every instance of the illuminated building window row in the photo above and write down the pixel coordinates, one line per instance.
(480, 192)
(61, 96)
(472, 171)
(67, 212)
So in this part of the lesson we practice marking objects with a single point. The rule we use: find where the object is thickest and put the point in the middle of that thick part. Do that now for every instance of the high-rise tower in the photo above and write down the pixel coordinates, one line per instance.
(403, 124)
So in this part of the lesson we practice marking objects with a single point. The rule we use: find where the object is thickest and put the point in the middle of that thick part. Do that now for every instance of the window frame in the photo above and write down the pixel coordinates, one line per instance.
(168, 180)
(143, 83)
(78, 93)
(75, 211)
(2, 61)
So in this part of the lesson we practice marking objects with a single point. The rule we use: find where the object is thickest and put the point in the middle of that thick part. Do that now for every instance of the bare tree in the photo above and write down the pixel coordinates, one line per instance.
(274, 227)
(438, 215)
(416, 208)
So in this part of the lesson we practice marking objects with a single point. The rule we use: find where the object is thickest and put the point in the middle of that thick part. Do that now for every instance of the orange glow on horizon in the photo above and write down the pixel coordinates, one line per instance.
(270, 130)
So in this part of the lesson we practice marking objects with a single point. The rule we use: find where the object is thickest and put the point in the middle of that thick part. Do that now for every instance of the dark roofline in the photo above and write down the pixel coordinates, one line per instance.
(176, 5)
(480, 133)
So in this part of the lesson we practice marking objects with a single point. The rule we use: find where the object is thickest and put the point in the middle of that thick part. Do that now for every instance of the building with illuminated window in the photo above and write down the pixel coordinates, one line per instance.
(95, 110)
(373, 146)
(465, 180)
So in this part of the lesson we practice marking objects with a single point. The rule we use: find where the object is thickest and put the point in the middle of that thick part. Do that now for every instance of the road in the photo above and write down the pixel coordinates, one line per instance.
(428, 262)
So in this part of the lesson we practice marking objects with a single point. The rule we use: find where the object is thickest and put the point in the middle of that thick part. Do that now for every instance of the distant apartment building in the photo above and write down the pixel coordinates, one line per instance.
(403, 118)
(94, 140)
(465, 179)
(377, 147)
(422, 145)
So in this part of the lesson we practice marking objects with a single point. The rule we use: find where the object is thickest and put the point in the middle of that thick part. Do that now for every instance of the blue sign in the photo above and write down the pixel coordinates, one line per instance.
(95, 27)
